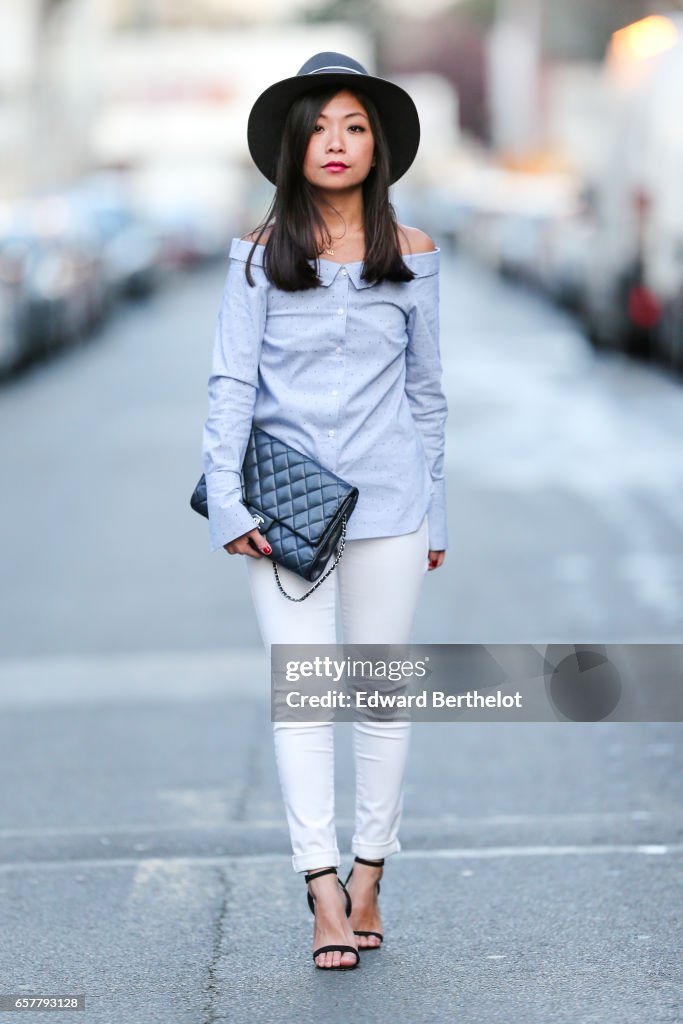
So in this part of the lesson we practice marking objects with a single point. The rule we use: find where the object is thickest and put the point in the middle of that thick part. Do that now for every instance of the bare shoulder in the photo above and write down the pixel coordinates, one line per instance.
(413, 240)
(253, 235)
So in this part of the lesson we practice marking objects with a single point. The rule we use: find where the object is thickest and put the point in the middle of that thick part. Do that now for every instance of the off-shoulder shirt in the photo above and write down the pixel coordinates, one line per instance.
(348, 373)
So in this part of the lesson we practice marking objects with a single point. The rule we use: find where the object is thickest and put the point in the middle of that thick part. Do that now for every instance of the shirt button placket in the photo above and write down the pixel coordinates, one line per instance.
(339, 351)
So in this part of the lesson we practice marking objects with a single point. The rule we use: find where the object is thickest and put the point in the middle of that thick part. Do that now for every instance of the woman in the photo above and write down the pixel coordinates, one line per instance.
(328, 339)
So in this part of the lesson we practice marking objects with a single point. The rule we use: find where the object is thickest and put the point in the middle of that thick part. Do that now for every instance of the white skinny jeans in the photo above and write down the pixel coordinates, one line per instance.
(378, 581)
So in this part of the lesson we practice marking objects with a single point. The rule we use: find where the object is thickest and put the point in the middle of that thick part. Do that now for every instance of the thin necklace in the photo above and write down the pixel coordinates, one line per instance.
(330, 252)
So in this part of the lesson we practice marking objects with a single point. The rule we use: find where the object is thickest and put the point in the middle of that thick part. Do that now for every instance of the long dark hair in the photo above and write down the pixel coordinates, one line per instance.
(294, 215)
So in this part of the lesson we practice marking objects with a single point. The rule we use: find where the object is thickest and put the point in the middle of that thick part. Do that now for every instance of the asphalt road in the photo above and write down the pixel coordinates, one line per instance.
(144, 860)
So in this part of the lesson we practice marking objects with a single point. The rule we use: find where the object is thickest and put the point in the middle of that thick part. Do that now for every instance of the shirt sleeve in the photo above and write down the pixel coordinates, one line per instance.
(427, 400)
(233, 385)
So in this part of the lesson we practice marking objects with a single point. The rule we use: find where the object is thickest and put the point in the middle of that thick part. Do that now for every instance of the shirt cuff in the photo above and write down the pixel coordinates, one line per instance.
(227, 523)
(437, 518)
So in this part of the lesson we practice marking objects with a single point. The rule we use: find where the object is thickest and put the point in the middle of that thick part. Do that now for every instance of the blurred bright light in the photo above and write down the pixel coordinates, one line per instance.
(643, 39)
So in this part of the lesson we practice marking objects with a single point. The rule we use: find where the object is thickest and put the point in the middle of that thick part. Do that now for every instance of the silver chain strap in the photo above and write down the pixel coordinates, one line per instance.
(318, 582)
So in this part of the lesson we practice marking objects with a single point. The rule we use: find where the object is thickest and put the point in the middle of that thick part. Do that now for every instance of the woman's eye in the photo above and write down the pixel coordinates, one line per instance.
(352, 127)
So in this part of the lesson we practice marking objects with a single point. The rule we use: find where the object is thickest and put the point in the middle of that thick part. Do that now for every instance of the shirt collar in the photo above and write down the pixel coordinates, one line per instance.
(423, 264)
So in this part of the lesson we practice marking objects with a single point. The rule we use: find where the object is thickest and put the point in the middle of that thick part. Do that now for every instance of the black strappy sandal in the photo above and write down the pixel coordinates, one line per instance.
(332, 949)
(372, 864)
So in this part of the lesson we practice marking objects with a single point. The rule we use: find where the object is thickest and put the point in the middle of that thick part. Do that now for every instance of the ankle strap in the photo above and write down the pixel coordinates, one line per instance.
(316, 874)
(370, 863)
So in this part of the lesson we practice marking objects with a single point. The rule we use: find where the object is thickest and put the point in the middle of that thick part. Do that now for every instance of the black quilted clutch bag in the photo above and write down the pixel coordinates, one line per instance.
(301, 507)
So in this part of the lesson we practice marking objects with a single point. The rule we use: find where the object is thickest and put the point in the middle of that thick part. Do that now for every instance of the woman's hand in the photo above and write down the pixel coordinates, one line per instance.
(251, 543)
(436, 558)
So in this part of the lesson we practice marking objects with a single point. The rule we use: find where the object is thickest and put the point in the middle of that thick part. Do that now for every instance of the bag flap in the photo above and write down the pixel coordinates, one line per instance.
(283, 485)
(308, 525)
(261, 519)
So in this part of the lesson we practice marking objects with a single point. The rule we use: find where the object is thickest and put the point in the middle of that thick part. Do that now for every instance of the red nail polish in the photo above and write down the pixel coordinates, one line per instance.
(268, 551)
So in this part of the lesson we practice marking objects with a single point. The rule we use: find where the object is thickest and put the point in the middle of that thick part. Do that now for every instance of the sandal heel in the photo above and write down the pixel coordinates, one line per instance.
(372, 864)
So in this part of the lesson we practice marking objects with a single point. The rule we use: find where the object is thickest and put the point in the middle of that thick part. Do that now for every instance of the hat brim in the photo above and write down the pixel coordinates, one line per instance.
(400, 120)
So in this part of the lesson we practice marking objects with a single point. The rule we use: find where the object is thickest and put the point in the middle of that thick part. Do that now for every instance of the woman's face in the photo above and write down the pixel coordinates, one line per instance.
(341, 148)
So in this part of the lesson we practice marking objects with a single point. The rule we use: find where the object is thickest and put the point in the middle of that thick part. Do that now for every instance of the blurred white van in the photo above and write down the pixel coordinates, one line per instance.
(634, 277)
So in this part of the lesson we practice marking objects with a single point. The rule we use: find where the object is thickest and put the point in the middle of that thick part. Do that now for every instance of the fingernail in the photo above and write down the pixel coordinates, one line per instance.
(268, 550)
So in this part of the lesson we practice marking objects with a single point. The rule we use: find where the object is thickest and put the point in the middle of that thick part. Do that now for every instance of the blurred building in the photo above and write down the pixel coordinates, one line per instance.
(88, 82)
(544, 65)
(141, 14)
(49, 85)
(524, 70)
(111, 82)
(172, 93)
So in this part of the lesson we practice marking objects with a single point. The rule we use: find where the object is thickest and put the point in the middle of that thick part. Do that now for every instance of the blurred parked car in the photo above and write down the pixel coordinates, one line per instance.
(521, 246)
(52, 278)
(561, 254)
(127, 241)
(669, 337)
(194, 206)
(43, 312)
(530, 227)
(10, 342)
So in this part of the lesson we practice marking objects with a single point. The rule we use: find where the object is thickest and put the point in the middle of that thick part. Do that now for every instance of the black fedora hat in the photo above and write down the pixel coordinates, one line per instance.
(397, 110)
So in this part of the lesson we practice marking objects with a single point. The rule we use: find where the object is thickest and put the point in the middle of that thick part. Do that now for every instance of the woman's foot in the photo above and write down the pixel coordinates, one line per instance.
(332, 926)
(365, 915)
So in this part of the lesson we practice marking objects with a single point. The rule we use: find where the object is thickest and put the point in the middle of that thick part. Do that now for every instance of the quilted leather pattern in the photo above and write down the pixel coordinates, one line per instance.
(300, 502)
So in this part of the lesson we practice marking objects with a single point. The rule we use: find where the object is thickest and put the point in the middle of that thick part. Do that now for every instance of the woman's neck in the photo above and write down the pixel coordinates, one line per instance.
(343, 214)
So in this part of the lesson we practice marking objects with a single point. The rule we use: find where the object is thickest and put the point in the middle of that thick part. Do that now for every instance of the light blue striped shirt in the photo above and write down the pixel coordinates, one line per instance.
(348, 373)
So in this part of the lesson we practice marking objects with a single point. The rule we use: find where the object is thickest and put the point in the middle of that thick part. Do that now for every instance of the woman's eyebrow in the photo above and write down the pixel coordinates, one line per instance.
(356, 113)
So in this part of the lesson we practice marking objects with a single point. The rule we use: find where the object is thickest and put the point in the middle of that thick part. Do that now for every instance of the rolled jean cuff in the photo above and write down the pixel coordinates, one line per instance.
(317, 859)
(375, 851)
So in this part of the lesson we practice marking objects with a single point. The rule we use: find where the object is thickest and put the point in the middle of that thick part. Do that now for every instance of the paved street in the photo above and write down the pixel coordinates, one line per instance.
(144, 860)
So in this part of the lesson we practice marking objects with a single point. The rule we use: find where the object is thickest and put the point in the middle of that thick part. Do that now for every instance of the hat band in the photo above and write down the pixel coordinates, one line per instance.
(334, 67)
